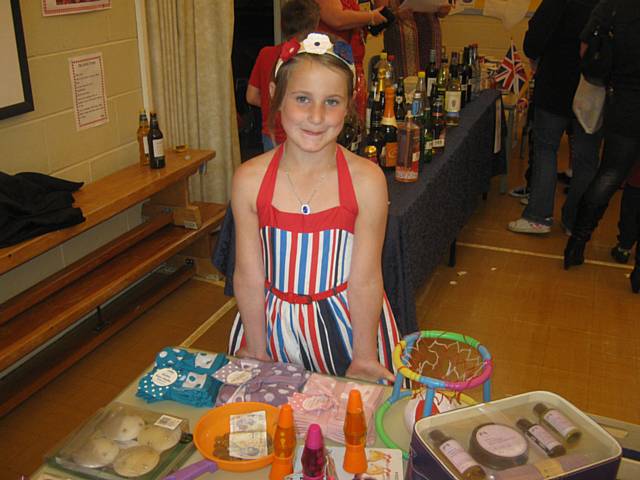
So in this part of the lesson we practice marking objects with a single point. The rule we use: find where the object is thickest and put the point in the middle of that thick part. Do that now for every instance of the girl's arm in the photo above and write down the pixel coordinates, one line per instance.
(248, 278)
(365, 279)
(332, 14)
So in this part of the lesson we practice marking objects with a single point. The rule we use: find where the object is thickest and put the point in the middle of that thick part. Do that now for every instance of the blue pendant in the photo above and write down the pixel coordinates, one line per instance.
(305, 209)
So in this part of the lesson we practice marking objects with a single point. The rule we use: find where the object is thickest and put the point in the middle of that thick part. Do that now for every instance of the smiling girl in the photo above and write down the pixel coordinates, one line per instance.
(310, 220)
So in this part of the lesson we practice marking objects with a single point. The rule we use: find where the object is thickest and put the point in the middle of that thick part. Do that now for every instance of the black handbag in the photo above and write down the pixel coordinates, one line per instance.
(597, 62)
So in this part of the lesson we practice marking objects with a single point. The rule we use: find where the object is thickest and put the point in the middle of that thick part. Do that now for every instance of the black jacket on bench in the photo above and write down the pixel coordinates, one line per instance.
(32, 204)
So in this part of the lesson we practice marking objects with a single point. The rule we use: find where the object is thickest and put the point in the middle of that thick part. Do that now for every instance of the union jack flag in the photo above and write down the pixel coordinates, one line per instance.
(511, 75)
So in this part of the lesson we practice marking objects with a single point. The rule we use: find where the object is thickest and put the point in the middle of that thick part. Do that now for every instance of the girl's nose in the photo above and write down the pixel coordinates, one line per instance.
(316, 115)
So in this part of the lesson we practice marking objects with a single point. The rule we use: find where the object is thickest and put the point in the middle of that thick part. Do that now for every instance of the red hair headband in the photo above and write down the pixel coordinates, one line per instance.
(316, 44)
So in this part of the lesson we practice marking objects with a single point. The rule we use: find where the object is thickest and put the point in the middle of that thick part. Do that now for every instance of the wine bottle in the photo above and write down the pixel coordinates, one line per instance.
(400, 107)
(439, 124)
(443, 74)
(389, 154)
(155, 141)
(141, 134)
(453, 94)
(465, 80)
(432, 71)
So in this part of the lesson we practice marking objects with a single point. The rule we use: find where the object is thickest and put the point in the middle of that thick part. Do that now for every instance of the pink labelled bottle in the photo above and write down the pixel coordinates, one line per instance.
(558, 423)
(457, 457)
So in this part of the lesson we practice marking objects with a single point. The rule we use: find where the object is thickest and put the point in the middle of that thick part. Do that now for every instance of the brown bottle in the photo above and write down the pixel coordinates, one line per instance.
(141, 134)
(457, 456)
(541, 437)
(155, 141)
(555, 421)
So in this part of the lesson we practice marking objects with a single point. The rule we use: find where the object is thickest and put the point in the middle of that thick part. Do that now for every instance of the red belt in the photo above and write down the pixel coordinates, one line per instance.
(304, 299)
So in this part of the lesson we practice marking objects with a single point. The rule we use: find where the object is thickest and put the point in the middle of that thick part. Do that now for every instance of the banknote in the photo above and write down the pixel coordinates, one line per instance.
(248, 445)
(249, 422)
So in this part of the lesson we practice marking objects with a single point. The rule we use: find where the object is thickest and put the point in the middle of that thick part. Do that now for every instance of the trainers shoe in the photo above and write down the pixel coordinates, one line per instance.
(520, 192)
(524, 200)
(619, 254)
(522, 225)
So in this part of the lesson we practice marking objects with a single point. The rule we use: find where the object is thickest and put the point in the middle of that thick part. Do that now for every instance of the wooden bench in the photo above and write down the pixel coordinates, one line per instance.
(59, 305)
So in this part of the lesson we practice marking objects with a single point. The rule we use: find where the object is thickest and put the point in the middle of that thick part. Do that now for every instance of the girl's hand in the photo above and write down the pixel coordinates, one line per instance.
(443, 11)
(376, 17)
(244, 352)
(370, 370)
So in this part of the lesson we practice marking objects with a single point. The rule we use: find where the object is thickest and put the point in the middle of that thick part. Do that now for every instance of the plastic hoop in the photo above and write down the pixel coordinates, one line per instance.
(401, 357)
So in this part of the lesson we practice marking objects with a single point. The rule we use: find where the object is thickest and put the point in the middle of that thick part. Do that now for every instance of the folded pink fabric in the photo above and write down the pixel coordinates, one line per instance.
(324, 401)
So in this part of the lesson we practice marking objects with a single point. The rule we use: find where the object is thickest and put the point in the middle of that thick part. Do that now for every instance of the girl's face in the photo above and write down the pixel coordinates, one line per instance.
(314, 106)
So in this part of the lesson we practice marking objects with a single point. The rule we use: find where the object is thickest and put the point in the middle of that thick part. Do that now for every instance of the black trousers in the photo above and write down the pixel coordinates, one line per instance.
(620, 153)
(629, 223)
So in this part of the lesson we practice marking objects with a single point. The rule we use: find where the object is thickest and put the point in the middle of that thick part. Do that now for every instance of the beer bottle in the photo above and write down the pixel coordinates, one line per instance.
(155, 141)
(141, 134)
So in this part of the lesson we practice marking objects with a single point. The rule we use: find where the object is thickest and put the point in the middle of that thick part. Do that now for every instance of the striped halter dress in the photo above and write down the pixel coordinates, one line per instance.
(307, 260)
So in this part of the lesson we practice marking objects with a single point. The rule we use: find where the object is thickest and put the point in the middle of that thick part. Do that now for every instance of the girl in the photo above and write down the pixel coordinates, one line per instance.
(310, 220)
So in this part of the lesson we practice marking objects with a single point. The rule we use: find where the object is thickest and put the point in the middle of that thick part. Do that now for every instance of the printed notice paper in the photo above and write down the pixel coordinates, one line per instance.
(87, 85)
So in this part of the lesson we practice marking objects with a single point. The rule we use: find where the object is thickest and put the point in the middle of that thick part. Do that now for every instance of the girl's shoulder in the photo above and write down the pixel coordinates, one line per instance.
(253, 170)
(364, 173)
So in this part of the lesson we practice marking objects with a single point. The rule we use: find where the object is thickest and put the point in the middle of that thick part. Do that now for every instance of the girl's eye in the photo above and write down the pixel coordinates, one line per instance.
(333, 102)
(302, 99)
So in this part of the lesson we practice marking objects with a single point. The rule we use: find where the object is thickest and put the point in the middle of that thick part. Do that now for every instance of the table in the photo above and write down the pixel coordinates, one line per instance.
(393, 423)
(424, 217)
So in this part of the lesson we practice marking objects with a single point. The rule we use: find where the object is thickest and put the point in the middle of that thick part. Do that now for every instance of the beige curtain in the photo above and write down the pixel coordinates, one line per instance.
(190, 43)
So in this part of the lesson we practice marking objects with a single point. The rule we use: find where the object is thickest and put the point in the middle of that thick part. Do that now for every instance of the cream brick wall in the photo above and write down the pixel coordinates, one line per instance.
(46, 139)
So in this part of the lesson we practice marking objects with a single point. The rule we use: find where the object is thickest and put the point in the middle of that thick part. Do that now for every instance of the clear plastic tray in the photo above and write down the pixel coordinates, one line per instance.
(595, 446)
(121, 441)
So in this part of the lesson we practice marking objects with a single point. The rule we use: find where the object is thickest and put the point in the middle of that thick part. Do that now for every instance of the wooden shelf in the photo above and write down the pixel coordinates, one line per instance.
(27, 379)
(104, 198)
(32, 328)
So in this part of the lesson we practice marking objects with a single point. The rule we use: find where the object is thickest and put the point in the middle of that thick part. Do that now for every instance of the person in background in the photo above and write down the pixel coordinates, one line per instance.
(411, 38)
(621, 125)
(629, 223)
(310, 219)
(297, 18)
(553, 42)
(344, 19)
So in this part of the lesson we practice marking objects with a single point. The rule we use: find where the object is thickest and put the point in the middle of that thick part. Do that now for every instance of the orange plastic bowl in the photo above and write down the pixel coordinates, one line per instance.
(215, 423)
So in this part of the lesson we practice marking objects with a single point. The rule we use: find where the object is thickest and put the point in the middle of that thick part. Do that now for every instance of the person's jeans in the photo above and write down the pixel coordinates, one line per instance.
(620, 153)
(548, 129)
(267, 143)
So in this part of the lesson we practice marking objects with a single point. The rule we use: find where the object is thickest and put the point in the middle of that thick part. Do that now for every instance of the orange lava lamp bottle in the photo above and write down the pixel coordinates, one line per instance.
(355, 432)
(284, 443)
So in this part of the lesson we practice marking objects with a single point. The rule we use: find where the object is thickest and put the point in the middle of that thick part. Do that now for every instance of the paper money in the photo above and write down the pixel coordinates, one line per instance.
(248, 445)
(250, 422)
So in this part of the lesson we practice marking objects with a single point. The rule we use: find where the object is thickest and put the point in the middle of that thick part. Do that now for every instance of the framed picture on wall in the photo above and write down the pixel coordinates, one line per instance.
(15, 94)
(64, 7)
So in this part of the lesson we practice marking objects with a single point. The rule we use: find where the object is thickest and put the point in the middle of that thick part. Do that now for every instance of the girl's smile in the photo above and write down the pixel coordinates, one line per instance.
(314, 106)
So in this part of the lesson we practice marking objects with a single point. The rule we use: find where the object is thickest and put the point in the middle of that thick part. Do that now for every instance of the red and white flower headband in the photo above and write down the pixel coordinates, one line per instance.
(316, 44)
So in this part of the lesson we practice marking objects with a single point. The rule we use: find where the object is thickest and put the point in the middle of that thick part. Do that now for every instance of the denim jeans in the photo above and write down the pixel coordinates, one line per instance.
(620, 153)
(548, 129)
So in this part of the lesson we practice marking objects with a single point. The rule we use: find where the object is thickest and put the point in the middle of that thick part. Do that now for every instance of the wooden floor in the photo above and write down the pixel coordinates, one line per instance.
(575, 333)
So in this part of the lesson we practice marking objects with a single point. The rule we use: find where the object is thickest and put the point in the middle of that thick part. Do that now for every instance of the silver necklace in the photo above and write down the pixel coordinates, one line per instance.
(305, 208)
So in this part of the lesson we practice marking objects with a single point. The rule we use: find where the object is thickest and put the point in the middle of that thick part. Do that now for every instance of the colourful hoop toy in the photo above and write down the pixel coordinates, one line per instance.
(401, 363)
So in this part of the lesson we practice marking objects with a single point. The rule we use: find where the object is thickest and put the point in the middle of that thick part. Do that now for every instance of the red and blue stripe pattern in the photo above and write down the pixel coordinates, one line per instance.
(308, 255)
